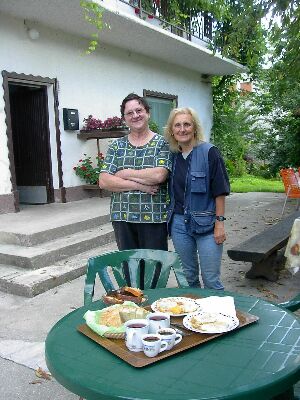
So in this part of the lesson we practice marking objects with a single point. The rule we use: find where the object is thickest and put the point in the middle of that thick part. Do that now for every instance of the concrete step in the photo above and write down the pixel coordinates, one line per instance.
(43, 235)
(48, 253)
(37, 224)
(16, 280)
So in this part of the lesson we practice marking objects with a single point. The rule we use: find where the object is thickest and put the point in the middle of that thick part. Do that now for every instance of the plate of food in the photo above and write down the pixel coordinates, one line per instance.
(175, 306)
(208, 322)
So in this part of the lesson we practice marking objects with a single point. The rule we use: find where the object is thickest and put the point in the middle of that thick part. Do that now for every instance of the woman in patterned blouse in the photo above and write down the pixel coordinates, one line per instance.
(135, 170)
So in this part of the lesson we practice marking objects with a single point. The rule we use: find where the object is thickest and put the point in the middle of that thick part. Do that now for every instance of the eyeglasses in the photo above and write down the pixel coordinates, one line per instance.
(137, 111)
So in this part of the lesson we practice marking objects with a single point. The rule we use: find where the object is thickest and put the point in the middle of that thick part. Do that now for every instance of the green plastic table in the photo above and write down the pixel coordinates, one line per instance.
(259, 361)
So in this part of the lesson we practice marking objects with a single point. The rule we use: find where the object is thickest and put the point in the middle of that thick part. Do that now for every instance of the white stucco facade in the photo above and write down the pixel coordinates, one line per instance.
(94, 84)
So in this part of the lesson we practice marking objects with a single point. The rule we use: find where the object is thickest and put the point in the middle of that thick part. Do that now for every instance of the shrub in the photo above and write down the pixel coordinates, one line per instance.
(86, 171)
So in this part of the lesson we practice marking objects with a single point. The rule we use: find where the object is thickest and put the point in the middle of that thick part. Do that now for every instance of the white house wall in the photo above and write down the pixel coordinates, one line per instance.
(93, 84)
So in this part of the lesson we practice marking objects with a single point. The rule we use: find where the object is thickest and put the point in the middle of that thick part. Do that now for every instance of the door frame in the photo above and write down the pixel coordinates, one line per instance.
(9, 77)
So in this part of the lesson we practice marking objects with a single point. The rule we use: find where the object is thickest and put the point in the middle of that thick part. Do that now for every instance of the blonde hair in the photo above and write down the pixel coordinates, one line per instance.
(168, 133)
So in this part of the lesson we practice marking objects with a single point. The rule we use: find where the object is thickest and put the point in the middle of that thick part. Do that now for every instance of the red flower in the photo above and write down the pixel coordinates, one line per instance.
(83, 168)
(74, 168)
(137, 10)
(80, 161)
(150, 16)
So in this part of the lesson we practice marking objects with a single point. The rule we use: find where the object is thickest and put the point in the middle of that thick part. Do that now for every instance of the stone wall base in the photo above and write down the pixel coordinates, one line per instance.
(7, 201)
(84, 192)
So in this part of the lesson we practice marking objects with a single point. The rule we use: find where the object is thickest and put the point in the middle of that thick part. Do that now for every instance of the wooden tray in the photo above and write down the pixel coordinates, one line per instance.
(118, 347)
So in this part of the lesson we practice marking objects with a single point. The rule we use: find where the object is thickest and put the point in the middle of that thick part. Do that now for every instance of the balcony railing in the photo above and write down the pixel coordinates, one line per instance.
(199, 27)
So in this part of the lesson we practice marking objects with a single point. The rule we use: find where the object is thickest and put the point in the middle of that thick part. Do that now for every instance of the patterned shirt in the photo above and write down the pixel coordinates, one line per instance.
(137, 206)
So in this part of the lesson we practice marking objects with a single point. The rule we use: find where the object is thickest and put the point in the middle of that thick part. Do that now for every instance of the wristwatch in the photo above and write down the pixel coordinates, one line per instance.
(220, 218)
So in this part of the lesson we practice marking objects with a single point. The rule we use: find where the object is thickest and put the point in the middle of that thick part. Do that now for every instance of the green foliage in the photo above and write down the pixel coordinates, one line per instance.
(279, 86)
(87, 171)
(259, 170)
(286, 149)
(278, 103)
(264, 125)
(153, 126)
(285, 38)
(93, 13)
(236, 167)
(239, 33)
(233, 122)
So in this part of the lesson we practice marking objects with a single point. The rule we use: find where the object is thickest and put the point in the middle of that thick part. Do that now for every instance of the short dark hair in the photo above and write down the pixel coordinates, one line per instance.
(133, 96)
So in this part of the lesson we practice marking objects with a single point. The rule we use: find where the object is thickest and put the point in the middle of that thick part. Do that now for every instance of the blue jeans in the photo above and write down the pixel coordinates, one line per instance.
(191, 246)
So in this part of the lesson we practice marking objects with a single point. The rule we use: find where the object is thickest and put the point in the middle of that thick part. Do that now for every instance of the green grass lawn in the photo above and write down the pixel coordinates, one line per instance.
(250, 183)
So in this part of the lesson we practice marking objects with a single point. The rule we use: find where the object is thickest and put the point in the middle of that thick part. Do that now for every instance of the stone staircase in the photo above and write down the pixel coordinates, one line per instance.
(42, 247)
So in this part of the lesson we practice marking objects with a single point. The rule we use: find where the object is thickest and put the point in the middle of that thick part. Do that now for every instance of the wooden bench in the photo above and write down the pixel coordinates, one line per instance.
(261, 249)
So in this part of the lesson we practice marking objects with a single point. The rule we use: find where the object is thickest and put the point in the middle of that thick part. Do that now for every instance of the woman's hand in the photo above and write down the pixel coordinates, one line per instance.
(151, 189)
(219, 232)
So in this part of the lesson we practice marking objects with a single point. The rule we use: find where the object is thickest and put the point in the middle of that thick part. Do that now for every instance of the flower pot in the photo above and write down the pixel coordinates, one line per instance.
(103, 133)
(91, 187)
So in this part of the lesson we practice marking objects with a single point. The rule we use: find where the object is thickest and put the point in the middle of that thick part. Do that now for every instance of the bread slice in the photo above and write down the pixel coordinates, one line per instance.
(133, 291)
(125, 293)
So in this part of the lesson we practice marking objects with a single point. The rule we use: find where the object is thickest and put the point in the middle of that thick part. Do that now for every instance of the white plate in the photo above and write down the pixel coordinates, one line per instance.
(210, 322)
(166, 305)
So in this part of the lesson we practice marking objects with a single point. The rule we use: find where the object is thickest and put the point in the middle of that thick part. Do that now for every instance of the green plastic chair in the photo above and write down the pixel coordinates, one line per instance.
(291, 305)
(142, 268)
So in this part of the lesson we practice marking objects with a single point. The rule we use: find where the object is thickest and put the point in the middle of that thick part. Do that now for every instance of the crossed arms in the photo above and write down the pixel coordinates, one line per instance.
(146, 180)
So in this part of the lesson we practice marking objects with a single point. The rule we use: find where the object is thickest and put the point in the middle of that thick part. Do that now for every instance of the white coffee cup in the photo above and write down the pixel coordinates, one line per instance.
(153, 345)
(158, 320)
(134, 330)
(170, 336)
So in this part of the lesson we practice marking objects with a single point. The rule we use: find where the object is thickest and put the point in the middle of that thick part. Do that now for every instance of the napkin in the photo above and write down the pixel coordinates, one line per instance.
(216, 304)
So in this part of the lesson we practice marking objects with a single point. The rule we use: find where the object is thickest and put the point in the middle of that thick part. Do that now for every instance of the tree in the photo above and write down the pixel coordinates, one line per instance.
(240, 34)
(277, 136)
(280, 94)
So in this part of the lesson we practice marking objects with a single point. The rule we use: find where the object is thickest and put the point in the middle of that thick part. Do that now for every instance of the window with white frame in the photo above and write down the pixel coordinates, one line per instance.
(161, 104)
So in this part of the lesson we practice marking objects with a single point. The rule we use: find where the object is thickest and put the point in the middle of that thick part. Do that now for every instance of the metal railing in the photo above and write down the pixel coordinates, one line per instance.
(199, 27)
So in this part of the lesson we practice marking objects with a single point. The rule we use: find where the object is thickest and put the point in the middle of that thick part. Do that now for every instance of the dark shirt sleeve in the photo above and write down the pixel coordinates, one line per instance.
(219, 179)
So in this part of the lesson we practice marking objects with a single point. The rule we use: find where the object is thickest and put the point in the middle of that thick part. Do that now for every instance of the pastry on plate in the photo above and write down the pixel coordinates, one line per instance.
(125, 293)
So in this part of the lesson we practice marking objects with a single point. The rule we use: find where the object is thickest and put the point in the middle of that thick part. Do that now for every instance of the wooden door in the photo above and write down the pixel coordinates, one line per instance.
(31, 143)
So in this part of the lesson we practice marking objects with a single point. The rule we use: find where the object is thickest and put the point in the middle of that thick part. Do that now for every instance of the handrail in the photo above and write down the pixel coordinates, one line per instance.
(202, 25)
